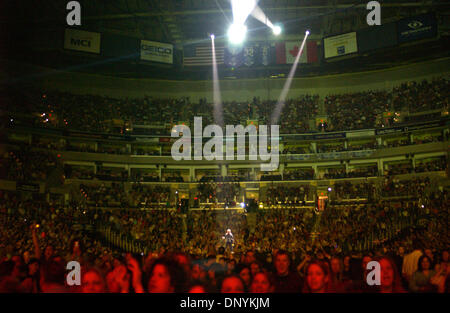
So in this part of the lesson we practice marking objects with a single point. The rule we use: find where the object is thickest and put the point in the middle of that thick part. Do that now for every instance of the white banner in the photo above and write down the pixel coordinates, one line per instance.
(156, 51)
(81, 40)
(340, 45)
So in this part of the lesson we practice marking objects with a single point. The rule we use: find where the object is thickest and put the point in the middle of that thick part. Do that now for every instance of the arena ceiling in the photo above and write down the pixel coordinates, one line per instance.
(182, 21)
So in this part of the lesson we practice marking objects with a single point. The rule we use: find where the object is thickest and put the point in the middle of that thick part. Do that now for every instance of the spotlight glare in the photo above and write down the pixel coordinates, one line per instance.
(307, 33)
(276, 30)
(242, 9)
(212, 36)
(236, 33)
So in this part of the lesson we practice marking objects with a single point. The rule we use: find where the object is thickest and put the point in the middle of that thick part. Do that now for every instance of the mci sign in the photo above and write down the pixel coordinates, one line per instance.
(80, 40)
(156, 51)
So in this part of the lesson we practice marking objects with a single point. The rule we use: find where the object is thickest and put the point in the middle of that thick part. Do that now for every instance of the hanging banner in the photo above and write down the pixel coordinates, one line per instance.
(340, 45)
(156, 51)
(286, 52)
(81, 40)
(417, 28)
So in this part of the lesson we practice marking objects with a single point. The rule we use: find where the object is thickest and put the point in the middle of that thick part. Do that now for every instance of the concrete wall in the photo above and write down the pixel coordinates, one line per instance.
(240, 90)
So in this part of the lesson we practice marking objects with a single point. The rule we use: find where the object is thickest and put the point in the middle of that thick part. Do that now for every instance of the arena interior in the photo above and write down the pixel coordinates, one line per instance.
(88, 117)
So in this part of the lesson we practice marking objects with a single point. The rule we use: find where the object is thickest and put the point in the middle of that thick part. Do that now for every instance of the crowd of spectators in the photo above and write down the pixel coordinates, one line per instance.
(23, 164)
(77, 172)
(223, 179)
(297, 113)
(427, 139)
(112, 149)
(53, 144)
(335, 173)
(271, 177)
(287, 229)
(219, 192)
(367, 171)
(288, 150)
(286, 194)
(155, 229)
(278, 254)
(103, 195)
(327, 148)
(399, 168)
(78, 147)
(356, 110)
(205, 229)
(421, 96)
(360, 110)
(65, 145)
(142, 176)
(104, 114)
(110, 174)
(393, 187)
(299, 174)
(148, 196)
(153, 151)
(349, 190)
(401, 142)
(339, 173)
(174, 177)
(434, 165)
(362, 146)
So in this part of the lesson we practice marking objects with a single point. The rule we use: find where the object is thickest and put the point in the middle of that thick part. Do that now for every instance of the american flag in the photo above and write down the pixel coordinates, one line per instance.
(201, 55)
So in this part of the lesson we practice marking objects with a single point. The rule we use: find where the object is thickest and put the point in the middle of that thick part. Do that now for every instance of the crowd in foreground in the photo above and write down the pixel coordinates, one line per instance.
(282, 251)
(422, 271)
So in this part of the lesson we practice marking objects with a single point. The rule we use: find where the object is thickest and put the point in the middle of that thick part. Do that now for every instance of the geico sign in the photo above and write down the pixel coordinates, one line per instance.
(80, 42)
(161, 50)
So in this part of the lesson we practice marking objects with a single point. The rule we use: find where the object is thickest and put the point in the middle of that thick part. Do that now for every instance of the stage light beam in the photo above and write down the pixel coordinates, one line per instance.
(217, 98)
(287, 85)
(258, 14)
(242, 9)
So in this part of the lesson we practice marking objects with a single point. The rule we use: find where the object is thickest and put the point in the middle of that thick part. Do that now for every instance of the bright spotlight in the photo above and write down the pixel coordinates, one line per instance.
(237, 33)
(307, 33)
(276, 30)
(212, 36)
(242, 205)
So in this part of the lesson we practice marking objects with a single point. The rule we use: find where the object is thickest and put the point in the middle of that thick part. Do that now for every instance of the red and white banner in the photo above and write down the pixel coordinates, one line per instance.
(287, 52)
